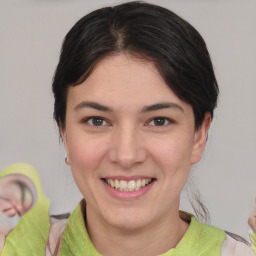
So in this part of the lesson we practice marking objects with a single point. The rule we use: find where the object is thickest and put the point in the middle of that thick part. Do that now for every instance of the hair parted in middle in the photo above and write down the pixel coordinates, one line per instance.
(147, 32)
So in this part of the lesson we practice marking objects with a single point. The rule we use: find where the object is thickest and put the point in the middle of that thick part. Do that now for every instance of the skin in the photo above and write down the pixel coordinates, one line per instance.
(131, 142)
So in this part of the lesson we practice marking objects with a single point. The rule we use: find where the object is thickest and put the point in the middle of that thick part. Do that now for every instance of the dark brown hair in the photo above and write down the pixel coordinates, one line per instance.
(146, 31)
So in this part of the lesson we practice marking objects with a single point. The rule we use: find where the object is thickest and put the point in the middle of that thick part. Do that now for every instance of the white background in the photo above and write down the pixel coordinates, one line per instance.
(31, 33)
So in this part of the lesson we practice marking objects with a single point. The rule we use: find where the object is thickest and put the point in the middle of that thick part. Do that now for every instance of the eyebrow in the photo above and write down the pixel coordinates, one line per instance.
(162, 105)
(154, 107)
(91, 104)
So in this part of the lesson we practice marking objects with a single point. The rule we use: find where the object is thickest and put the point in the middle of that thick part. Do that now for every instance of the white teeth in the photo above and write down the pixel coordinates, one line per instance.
(117, 184)
(132, 185)
(123, 184)
(112, 183)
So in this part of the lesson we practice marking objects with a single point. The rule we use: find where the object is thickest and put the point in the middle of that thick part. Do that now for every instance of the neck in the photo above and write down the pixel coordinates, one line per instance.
(154, 239)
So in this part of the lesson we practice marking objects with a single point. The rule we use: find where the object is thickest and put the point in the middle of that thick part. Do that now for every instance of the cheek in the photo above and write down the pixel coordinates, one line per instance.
(172, 153)
(173, 159)
(86, 153)
(86, 156)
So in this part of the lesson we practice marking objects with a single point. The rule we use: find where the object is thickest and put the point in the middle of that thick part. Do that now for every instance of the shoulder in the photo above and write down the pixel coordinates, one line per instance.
(210, 240)
(57, 227)
(205, 237)
(235, 246)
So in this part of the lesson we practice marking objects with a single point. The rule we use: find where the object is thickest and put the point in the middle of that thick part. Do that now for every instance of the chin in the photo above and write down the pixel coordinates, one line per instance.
(128, 219)
(127, 224)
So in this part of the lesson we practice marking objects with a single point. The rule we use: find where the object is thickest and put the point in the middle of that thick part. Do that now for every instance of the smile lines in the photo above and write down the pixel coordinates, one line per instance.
(132, 185)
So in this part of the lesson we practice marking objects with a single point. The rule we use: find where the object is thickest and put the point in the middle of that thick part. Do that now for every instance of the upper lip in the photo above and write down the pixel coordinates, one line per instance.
(135, 177)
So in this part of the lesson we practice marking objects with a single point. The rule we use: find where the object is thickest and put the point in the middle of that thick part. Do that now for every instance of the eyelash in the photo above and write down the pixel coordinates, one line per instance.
(167, 121)
(103, 121)
(90, 120)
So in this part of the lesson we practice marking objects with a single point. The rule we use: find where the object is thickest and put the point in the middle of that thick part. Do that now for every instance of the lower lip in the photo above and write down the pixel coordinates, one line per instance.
(128, 195)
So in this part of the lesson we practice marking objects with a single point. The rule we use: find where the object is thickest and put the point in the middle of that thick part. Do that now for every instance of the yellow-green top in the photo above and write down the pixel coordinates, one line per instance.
(199, 240)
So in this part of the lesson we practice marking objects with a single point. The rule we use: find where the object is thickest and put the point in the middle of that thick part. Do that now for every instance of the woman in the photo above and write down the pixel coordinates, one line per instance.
(134, 94)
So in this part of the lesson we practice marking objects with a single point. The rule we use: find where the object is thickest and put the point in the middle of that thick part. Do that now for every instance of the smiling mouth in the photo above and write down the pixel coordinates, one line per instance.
(128, 186)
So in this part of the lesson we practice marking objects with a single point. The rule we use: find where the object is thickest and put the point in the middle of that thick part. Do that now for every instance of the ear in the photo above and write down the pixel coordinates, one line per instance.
(65, 142)
(200, 139)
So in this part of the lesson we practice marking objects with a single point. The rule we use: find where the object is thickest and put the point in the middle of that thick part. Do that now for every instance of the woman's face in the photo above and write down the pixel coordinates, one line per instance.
(130, 142)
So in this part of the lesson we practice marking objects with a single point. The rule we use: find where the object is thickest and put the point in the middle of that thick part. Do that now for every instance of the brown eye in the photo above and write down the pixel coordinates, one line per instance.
(96, 121)
(159, 121)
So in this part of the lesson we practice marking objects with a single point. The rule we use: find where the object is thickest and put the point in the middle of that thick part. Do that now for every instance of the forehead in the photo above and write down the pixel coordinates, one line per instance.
(123, 80)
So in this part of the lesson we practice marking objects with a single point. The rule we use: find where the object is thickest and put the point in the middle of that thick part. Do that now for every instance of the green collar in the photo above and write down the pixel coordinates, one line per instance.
(199, 240)
(75, 240)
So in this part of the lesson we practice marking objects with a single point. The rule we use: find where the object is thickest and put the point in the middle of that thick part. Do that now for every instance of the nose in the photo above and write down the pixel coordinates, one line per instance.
(127, 149)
